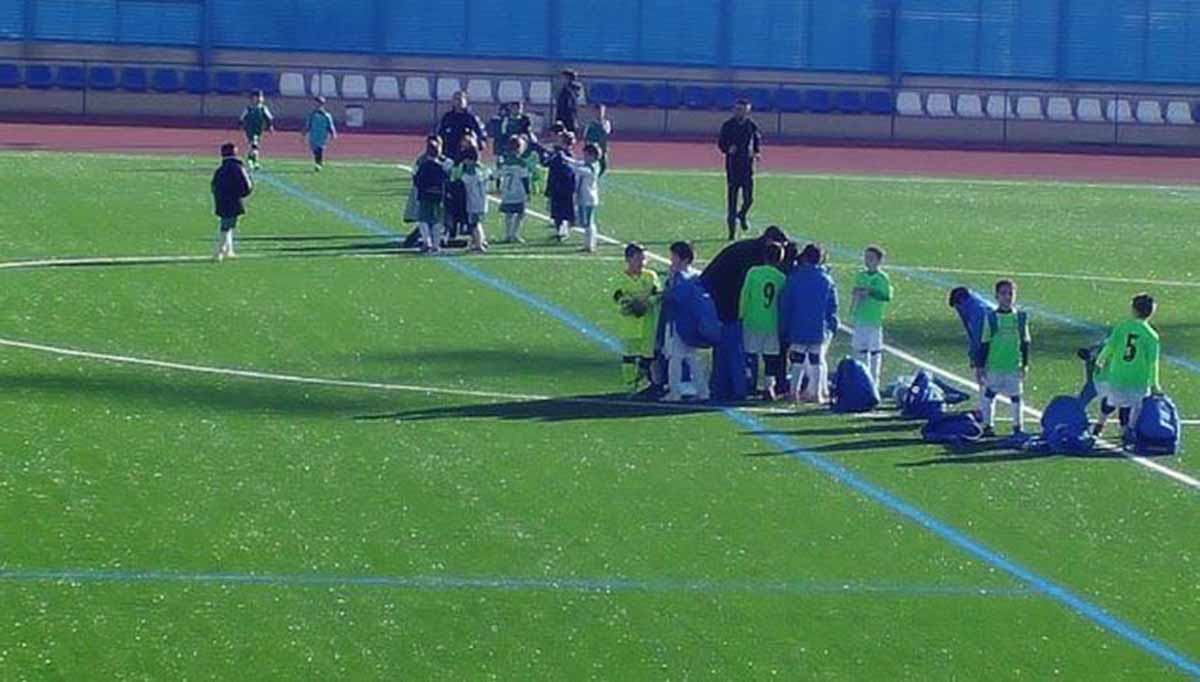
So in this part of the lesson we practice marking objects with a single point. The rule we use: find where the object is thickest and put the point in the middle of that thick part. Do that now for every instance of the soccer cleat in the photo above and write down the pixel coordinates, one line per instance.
(745, 223)
(988, 432)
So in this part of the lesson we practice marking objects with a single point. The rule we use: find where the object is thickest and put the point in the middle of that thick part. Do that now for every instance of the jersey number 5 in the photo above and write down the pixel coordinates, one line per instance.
(1130, 347)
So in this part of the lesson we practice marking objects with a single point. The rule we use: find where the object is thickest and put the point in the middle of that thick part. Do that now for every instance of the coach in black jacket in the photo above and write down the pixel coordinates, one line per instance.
(566, 106)
(230, 186)
(456, 124)
(741, 144)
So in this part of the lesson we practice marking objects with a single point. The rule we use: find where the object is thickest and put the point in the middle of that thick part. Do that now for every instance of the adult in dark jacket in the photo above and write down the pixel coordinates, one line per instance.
(566, 105)
(723, 277)
(458, 123)
(230, 186)
(741, 144)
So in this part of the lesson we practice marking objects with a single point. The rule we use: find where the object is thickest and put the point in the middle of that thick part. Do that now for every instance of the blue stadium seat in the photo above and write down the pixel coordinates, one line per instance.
(39, 77)
(229, 83)
(789, 100)
(879, 103)
(635, 95)
(848, 102)
(818, 101)
(1195, 108)
(667, 97)
(10, 76)
(759, 98)
(70, 77)
(696, 97)
(165, 80)
(724, 96)
(133, 79)
(196, 82)
(603, 93)
(261, 80)
(100, 78)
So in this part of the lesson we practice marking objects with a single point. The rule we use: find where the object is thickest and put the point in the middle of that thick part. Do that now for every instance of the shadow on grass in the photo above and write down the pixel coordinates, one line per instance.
(552, 410)
(997, 452)
(855, 446)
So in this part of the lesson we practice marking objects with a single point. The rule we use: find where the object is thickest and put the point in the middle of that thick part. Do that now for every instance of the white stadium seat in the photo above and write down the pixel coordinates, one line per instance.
(386, 87)
(539, 92)
(1149, 111)
(1179, 113)
(416, 89)
(446, 87)
(969, 106)
(909, 104)
(938, 104)
(1088, 109)
(1059, 109)
(292, 85)
(999, 106)
(323, 84)
(1029, 108)
(511, 91)
(1118, 110)
(354, 86)
(479, 90)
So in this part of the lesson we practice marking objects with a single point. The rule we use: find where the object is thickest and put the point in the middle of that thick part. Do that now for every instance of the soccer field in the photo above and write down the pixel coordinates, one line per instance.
(328, 459)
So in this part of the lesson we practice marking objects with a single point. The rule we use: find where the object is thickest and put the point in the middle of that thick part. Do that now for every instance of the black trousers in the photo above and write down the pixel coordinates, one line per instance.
(742, 183)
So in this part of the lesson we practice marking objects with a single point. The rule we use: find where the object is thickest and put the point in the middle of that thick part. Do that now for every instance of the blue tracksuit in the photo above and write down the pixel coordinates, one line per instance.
(973, 312)
(808, 308)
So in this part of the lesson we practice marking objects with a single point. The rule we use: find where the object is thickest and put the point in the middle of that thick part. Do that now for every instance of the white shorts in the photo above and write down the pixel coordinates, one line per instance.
(1121, 398)
(867, 339)
(813, 349)
(1004, 383)
(760, 343)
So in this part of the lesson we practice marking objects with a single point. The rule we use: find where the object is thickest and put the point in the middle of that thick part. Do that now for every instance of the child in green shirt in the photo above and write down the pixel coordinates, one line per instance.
(1003, 358)
(758, 309)
(1127, 367)
(872, 292)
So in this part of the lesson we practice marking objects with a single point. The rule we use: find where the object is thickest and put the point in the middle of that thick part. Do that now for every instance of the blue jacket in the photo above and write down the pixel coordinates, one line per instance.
(688, 305)
(808, 308)
(973, 312)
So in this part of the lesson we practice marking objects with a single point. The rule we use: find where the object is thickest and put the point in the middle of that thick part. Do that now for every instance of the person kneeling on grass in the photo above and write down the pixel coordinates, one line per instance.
(1127, 367)
(230, 186)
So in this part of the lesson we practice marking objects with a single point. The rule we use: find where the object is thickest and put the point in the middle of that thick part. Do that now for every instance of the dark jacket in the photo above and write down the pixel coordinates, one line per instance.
(566, 107)
(974, 312)
(454, 127)
(560, 176)
(726, 273)
(430, 178)
(230, 185)
(744, 139)
(808, 308)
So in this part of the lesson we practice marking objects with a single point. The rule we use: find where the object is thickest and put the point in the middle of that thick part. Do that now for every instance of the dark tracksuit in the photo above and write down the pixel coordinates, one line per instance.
(230, 185)
(566, 107)
(739, 167)
(454, 127)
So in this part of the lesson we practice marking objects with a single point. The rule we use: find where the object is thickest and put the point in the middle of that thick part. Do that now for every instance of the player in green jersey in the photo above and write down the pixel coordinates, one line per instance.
(637, 297)
(872, 293)
(256, 121)
(1127, 367)
(318, 129)
(758, 309)
(597, 132)
(1003, 358)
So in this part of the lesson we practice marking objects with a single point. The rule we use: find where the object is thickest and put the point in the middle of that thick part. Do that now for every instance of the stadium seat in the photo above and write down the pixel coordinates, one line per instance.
(1179, 113)
(724, 96)
(386, 88)
(165, 80)
(446, 87)
(539, 92)
(70, 77)
(38, 77)
(228, 83)
(323, 84)
(1118, 111)
(133, 79)
(789, 100)
(879, 103)
(667, 97)
(818, 101)
(416, 89)
(102, 78)
(1195, 105)
(696, 97)
(291, 84)
(1029, 108)
(196, 82)
(759, 98)
(969, 105)
(478, 90)
(937, 104)
(909, 104)
(10, 76)
(262, 80)
(1058, 109)
(510, 91)
(1088, 109)
(605, 93)
(1149, 111)
(848, 101)
(999, 106)
(354, 86)
(634, 95)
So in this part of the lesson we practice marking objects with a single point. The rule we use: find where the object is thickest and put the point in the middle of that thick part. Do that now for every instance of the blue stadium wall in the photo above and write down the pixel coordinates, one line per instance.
(1117, 41)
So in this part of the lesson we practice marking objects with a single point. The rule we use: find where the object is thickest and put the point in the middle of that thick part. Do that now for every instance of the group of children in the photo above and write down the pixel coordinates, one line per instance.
(257, 121)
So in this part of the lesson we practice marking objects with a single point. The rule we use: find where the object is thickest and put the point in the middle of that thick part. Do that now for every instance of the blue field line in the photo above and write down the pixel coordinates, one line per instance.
(947, 532)
(927, 277)
(445, 583)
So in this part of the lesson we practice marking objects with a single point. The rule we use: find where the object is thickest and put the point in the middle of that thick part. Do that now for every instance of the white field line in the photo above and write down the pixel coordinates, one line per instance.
(1052, 275)
(253, 255)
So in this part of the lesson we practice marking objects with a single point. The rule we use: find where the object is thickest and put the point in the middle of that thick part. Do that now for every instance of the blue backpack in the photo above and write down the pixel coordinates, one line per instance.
(923, 399)
(1064, 428)
(694, 314)
(952, 429)
(853, 388)
(1157, 429)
